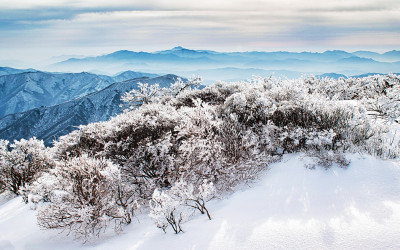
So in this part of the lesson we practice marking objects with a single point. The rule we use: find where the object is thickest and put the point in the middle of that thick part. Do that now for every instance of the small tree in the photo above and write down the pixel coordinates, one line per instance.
(166, 210)
(143, 95)
(21, 165)
(146, 93)
(179, 86)
(171, 207)
(88, 195)
(192, 197)
(3, 153)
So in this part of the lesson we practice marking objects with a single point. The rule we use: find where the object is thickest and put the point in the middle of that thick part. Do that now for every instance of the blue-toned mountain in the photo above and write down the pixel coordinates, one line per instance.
(24, 91)
(48, 123)
(180, 60)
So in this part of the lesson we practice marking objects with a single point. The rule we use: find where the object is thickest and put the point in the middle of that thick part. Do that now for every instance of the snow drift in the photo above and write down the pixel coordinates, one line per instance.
(289, 206)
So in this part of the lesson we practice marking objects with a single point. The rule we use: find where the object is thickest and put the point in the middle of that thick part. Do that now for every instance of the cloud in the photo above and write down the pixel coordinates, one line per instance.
(227, 24)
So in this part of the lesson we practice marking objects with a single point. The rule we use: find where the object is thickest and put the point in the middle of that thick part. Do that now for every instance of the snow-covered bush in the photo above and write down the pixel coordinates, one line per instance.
(171, 207)
(194, 197)
(146, 93)
(385, 144)
(224, 132)
(179, 86)
(326, 159)
(43, 189)
(173, 143)
(249, 106)
(20, 165)
(87, 195)
(153, 161)
(3, 152)
(167, 211)
(377, 93)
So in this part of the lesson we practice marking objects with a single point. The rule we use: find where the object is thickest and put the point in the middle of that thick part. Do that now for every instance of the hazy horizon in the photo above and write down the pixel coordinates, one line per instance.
(33, 31)
(44, 62)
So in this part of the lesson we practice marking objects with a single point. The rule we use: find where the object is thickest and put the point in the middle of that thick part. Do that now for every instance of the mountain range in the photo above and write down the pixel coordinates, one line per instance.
(9, 71)
(187, 62)
(24, 91)
(50, 104)
(48, 123)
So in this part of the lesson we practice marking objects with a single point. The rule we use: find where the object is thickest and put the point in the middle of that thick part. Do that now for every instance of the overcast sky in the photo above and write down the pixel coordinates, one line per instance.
(36, 29)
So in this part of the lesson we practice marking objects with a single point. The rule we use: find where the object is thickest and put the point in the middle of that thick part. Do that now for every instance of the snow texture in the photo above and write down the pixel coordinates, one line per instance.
(288, 207)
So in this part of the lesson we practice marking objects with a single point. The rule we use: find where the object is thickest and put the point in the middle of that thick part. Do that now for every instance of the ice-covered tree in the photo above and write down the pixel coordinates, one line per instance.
(194, 197)
(88, 194)
(144, 94)
(171, 207)
(180, 86)
(20, 165)
(166, 211)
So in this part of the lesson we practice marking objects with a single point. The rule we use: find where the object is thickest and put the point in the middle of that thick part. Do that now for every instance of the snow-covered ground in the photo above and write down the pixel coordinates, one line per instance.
(288, 207)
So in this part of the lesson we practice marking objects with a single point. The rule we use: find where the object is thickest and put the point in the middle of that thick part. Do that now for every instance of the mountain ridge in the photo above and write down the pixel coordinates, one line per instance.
(48, 123)
(180, 59)
(27, 90)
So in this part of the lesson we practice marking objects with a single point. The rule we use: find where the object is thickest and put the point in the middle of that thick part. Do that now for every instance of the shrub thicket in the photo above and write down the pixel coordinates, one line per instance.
(218, 136)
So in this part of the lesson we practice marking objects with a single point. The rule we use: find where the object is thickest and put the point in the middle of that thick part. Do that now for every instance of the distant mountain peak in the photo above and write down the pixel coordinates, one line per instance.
(393, 52)
(178, 48)
(183, 60)
(122, 52)
(338, 52)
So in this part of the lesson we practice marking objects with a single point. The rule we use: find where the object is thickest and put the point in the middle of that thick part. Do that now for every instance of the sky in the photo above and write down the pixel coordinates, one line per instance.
(33, 30)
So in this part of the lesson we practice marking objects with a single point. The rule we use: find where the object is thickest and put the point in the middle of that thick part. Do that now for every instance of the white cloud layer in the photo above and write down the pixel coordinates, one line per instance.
(102, 25)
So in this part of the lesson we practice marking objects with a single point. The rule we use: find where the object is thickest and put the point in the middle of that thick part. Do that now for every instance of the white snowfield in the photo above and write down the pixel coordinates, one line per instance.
(289, 207)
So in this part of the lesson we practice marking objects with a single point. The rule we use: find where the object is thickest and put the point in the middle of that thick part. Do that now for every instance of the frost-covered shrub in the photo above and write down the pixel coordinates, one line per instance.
(20, 165)
(250, 107)
(139, 141)
(146, 93)
(171, 207)
(43, 188)
(195, 197)
(152, 160)
(198, 153)
(385, 144)
(327, 158)
(207, 95)
(175, 140)
(377, 93)
(179, 86)
(87, 196)
(167, 211)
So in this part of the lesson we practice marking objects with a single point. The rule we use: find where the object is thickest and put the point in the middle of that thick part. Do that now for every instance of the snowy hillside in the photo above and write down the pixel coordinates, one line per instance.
(9, 71)
(24, 91)
(257, 164)
(126, 75)
(48, 123)
(287, 207)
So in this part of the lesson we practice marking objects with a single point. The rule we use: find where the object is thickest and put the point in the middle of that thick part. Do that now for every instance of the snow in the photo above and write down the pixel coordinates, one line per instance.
(288, 207)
